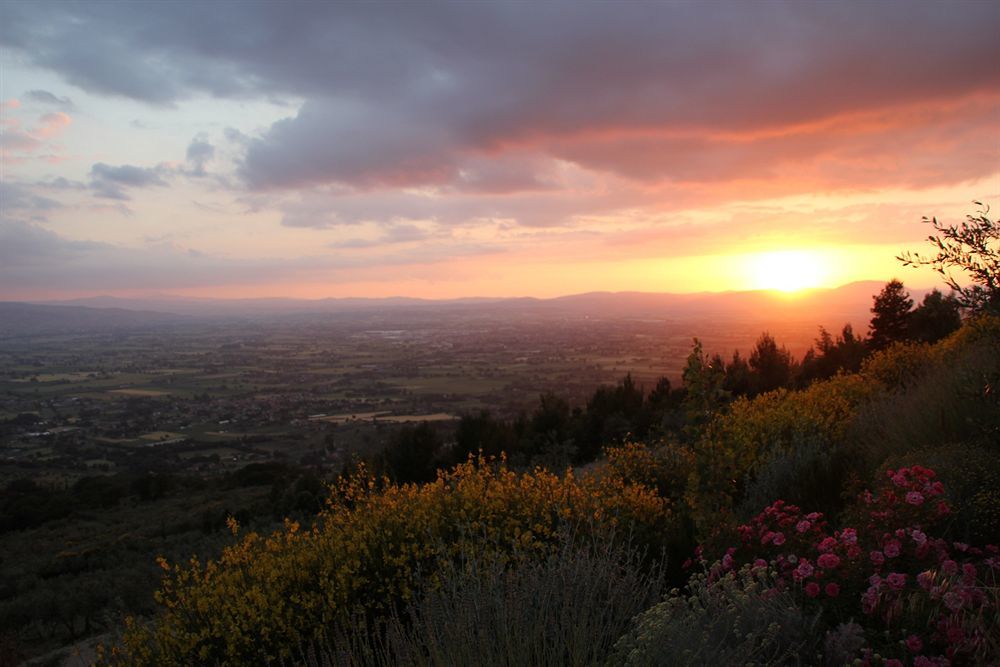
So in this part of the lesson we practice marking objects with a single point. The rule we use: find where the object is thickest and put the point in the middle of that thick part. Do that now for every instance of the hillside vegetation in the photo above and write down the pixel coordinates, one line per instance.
(846, 520)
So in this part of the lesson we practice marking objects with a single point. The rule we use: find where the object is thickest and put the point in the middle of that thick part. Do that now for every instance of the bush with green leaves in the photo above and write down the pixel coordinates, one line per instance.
(568, 609)
(736, 619)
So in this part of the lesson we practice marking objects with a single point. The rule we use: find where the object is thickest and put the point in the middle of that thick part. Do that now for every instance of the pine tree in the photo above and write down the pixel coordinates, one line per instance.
(891, 316)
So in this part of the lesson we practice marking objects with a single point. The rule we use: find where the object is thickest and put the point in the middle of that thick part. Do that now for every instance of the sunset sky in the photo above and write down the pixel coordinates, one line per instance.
(471, 149)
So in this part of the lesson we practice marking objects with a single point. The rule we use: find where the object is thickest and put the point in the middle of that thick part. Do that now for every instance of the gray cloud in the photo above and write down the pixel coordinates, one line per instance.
(21, 200)
(45, 97)
(402, 95)
(110, 181)
(199, 153)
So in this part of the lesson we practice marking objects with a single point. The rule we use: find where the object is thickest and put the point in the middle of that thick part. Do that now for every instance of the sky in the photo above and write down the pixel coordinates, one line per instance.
(440, 150)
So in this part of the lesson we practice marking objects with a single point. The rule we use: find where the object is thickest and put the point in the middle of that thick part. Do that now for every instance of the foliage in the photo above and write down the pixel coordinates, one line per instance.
(890, 316)
(828, 356)
(811, 472)
(735, 619)
(941, 394)
(772, 366)
(936, 317)
(973, 491)
(703, 380)
(267, 595)
(566, 609)
(919, 593)
(973, 248)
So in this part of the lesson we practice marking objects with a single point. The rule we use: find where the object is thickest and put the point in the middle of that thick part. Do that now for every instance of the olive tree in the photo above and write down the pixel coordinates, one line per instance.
(973, 248)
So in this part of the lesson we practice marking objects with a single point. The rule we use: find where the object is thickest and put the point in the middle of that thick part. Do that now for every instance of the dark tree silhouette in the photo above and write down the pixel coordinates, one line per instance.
(771, 365)
(935, 318)
(973, 248)
(890, 316)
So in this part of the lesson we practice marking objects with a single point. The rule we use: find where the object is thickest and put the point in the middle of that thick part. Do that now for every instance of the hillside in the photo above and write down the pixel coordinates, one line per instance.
(847, 498)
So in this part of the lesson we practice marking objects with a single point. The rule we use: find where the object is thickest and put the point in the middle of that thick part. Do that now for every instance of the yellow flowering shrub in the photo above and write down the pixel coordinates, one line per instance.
(266, 596)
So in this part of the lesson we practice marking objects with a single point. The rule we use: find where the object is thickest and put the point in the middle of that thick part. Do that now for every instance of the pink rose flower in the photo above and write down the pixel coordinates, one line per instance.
(877, 557)
(803, 526)
(832, 589)
(896, 581)
(727, 562)
(914, 643)
(779, 539)
(760, 562)
(891, 549)
(949, 567)
(849, 536)
(812, 589)
(828, 561)
(804, 570)
(767, 538)
(915, 498)
(826, 544)
(919, 537)
(894, 662)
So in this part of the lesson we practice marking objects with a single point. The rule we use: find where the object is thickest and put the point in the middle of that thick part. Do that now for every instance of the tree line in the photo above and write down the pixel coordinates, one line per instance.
(556, 434)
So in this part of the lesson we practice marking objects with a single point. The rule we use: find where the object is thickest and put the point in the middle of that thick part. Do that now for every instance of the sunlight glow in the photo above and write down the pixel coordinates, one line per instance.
(787, 270)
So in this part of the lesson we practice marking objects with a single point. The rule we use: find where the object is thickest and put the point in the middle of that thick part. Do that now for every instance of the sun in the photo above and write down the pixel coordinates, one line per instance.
(786, 270)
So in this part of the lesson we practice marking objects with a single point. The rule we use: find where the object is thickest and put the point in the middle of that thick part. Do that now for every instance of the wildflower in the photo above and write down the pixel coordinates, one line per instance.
(896, 581)
(915, 498)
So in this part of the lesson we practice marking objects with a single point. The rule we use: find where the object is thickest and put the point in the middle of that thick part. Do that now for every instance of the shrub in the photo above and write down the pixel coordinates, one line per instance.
(736, 619)
(956, 401)
(919, 594)
(971, 478)
(267, 595)
(811, 473)
(566, 609)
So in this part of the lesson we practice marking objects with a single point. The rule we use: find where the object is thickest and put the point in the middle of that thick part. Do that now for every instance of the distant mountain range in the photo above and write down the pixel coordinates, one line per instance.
(830, 307)
(26, 319)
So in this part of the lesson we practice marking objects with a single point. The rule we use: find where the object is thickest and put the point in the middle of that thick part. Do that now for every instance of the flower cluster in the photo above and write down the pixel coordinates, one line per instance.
(909, 496)
(891, 566)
